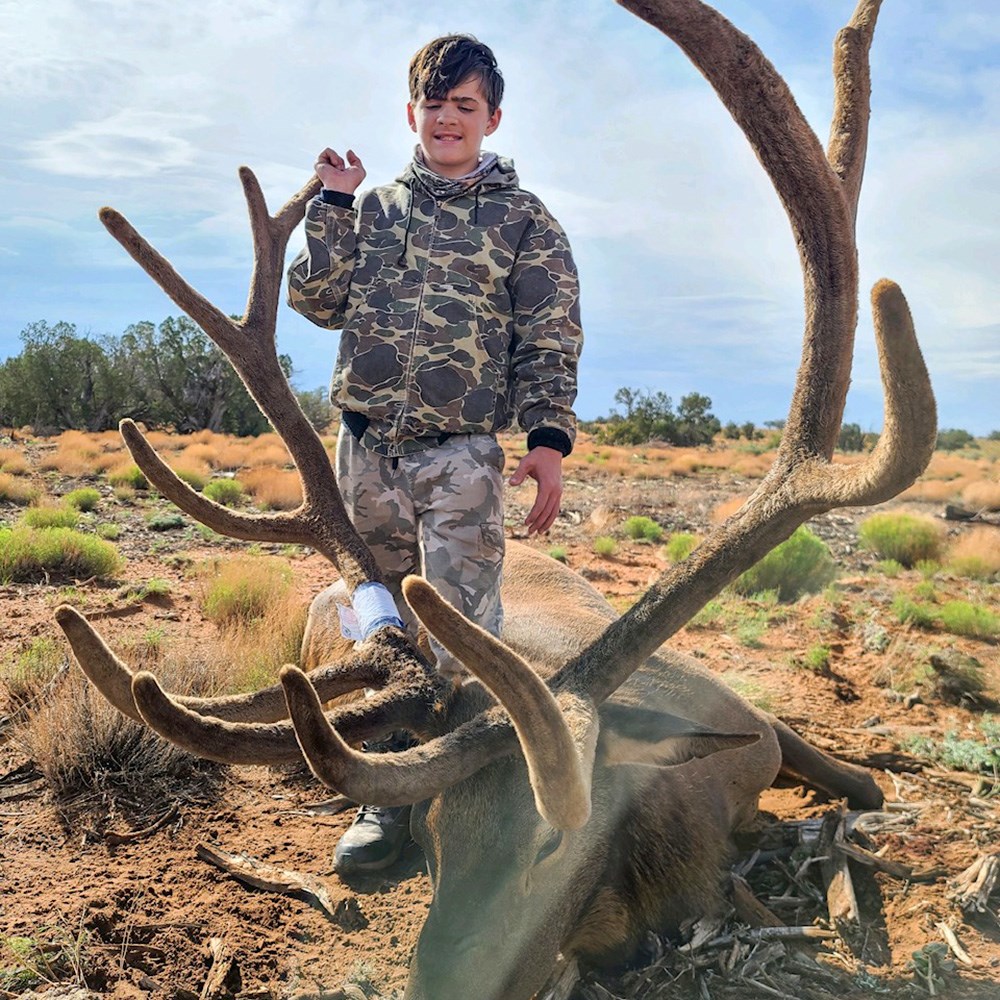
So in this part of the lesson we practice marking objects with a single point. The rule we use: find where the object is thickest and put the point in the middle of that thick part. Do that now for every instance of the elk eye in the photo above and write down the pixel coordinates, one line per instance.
(550, 846)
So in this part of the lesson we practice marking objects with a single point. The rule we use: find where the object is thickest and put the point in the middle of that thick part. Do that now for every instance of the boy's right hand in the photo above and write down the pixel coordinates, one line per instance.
(336, 175)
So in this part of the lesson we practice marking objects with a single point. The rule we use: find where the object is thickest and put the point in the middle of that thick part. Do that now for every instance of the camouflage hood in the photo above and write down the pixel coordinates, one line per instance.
(493, 172)
(459, 306)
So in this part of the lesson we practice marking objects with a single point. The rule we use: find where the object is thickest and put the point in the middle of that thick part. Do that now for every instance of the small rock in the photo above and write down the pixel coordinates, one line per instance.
(912, 699)
(872, 720)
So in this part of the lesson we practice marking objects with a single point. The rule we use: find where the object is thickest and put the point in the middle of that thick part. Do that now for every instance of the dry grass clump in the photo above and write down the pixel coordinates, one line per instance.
(95, 759)
(726, 510)
(260, 618)
(976, 554)
(946, 466)
(231, 456)
(241, 590)
(273, 488)
(983, 495)
(13, 462)
(17, 490)
(198, 455)
(752, 466)
(685, 464)
(195, 474)
(934, 490)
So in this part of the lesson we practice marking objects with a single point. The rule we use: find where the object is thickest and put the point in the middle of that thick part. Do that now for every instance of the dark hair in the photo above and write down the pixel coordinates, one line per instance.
(448, 61)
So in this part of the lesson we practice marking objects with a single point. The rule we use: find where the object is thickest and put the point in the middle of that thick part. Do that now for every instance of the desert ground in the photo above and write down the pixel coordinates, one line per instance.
(104, 884)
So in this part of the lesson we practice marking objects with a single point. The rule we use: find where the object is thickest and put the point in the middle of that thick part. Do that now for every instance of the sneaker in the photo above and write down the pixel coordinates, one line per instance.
(374, 840)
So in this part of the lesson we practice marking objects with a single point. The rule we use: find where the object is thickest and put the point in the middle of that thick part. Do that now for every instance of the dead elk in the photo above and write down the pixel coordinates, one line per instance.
(585, 785)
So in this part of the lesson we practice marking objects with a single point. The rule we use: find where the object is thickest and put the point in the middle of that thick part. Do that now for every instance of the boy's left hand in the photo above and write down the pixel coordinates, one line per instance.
(544, 465)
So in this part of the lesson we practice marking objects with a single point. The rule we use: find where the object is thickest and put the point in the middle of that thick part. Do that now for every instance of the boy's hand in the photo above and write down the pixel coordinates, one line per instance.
(336, 175)
(545, 466)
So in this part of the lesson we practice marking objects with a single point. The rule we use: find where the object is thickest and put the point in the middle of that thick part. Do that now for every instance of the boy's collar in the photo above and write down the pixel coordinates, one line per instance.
(501, 169)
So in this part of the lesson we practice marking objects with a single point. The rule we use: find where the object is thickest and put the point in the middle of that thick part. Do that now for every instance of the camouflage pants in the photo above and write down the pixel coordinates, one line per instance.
(437, 513)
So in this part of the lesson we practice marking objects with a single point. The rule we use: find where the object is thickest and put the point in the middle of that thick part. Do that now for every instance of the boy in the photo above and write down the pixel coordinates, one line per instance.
(458, 299)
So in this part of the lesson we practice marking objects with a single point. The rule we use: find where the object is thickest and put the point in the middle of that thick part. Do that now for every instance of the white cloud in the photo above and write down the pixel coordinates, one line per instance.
(128, 144)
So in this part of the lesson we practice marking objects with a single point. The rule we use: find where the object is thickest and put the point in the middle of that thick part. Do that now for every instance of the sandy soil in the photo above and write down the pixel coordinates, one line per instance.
(137, 918)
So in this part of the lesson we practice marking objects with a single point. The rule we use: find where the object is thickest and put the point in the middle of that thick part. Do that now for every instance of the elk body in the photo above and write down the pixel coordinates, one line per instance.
(584, 785)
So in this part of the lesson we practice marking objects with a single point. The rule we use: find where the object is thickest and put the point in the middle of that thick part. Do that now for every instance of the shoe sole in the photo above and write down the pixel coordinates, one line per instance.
(348, 866)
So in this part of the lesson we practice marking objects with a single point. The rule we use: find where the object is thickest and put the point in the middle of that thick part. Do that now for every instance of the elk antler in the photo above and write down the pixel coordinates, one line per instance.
(320, 521)
(820, 195)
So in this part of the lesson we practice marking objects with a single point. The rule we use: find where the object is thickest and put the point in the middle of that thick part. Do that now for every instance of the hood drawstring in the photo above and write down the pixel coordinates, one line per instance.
(406, 236)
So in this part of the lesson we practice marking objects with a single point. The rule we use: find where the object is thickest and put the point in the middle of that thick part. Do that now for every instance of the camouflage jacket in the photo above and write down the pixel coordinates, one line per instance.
(459, 305)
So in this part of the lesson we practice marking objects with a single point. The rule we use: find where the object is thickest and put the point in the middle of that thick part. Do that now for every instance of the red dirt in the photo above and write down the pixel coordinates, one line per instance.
(150, 907)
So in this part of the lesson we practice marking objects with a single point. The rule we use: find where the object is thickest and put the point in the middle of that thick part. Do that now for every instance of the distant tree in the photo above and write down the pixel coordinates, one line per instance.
(189, 381)
(648, 417)
(62, 380)
(952, 439)
(695, 423)
(316, 406)
(776, 425)
(731, 431)
(749, 431)
(851, 438)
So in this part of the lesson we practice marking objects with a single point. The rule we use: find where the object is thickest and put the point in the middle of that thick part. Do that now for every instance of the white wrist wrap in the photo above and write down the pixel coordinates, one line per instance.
(375, 608)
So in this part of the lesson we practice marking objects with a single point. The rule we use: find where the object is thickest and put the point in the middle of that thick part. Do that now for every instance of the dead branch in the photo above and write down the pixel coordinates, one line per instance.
(972, 889)
(113, 839)
(268, 878)
(957, 950)
(222, 966)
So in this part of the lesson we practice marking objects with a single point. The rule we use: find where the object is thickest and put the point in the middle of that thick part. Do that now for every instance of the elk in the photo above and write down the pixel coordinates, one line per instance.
(583, 785)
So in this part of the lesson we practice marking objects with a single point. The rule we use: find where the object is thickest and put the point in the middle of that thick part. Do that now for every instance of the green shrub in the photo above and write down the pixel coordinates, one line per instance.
(50, 517)
(680, 545)
(228, 492)
(29, 553)
(925, 591)
(800, 565)
(558, 552)
(605, 546)
(83, 499)
(817, 658)
(129, 475)
(910, 612)
(890, 567)
(972, 620)
(27, 672)
(166, 522)
(902, 537)
(927, 568)
(951, 439)
(643, 529)
(962, 754)
(109, 531)
(196, 480)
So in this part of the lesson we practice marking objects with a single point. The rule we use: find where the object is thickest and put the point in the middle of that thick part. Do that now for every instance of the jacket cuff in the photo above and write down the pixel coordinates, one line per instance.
(550, 437)
(339, 198)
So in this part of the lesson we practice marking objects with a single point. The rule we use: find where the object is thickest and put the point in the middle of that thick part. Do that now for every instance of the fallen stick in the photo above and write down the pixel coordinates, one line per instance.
(749, 909)
(957, 950)
(804, 933)
(840, 898)
(218, 973)
(113, 839)
(268, 878)
(894, 869)
(972, 889)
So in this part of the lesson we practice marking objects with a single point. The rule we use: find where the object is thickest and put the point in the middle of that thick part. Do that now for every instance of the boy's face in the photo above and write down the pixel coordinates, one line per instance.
(451, 129)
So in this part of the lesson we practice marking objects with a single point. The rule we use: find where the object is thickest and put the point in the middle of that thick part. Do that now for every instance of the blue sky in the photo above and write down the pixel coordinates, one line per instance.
(690, 277)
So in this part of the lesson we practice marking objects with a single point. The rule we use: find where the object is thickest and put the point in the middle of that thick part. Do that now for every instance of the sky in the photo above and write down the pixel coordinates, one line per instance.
(689, 274)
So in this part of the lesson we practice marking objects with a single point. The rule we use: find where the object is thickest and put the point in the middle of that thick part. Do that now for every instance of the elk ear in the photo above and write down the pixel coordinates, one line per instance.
(634, 735)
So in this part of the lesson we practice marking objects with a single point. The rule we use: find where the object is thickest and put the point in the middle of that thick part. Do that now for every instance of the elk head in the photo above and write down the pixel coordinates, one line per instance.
(518, 842)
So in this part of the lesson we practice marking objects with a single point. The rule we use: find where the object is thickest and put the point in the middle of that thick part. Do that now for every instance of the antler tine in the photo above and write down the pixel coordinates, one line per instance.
(401, 778)
(820, 199)
(848, 142)
(559, 760)
(269, 743)
(249, 344)
(113, 677)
